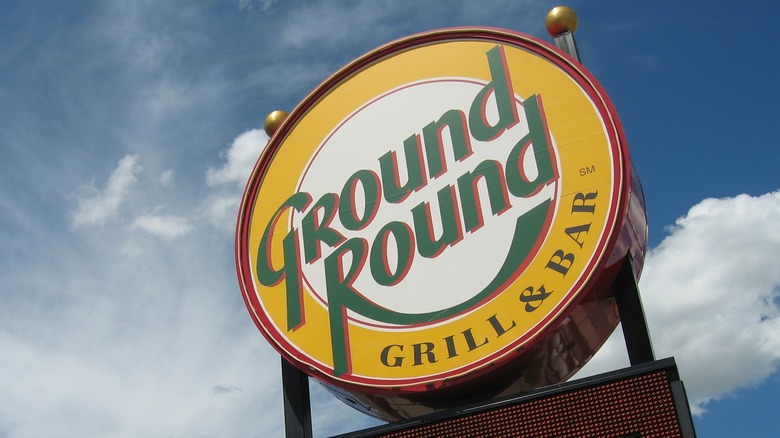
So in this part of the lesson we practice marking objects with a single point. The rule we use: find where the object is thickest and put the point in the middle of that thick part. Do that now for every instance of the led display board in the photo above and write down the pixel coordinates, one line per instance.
(640, 402)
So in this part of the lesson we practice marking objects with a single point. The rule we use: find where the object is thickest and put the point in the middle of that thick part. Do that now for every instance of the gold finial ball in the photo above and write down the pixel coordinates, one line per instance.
(273, 121)
(560, 19)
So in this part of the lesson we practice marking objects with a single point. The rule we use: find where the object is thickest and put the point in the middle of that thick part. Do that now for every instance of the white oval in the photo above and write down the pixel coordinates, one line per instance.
(460, 271)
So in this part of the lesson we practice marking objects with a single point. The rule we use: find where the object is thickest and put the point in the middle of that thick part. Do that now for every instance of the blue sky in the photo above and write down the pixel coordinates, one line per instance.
(128, 130)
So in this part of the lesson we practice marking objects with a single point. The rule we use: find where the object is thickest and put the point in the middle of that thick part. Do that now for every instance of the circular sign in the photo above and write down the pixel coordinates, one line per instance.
(434, 209)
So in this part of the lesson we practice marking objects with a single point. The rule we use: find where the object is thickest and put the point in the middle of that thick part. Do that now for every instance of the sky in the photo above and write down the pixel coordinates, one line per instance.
(129, 128)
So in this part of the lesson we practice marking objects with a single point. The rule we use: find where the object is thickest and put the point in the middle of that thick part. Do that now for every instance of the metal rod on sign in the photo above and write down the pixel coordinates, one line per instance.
(561, 22)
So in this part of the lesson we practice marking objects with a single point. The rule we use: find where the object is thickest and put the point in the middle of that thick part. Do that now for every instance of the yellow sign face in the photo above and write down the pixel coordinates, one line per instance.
(431, 209)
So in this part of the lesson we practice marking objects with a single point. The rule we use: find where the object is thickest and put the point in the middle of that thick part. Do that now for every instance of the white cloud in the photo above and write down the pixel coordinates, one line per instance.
(248, 5)
(114, 337)
(711, 292)
(96, 206)
(167, 227)
(221, 211)
(241, 157)
(344, 24)
(221, 207)
(166, 178)
(149, 384)
(136, 41)
(305, 25)
(292, 76)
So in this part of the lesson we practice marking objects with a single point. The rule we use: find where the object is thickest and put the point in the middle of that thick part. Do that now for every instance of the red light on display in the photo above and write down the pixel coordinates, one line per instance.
(638, 402)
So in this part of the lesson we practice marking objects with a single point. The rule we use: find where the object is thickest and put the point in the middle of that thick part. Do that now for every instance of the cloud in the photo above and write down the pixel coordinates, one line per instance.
(305, 26)
(248, 5)
(712, 290)
(711, 293)
(221, 207)
(224, 389)
(221, 210)
(135, 36)
(167, 227)
(144, 385)
(346, 24)
(166, 178)
(241, 157)
(96, 206)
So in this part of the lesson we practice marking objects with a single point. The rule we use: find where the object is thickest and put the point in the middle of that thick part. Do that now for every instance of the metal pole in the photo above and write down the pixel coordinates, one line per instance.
(632, 316)
(297, 404)
(566, 43)
(561, 22)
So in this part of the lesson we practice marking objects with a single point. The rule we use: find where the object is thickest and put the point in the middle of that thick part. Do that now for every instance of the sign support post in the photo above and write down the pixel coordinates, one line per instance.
(297, 403)
(632, 316)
